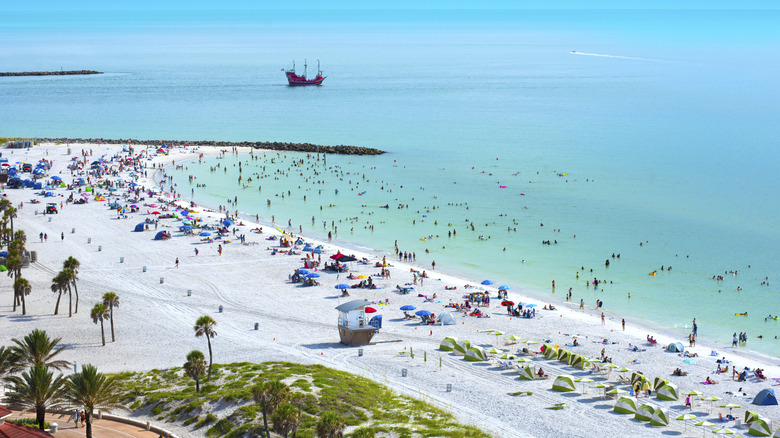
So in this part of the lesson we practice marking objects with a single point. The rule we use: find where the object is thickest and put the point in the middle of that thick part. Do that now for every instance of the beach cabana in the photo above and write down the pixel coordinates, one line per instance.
(625, 405)
(461, 347)
(751, 416)
(525, 373)
(760, 427)
(139, 227)
(475, 354)
(563, 355)
(660, 417)
(564, 383)
(447, 318)
(658, 382)
(576, 360)
(448, 344)
(668, 392)
(637, 376)
(354, 330)
(675, 347)
(550, 352)
(765, 398)
(645, 412)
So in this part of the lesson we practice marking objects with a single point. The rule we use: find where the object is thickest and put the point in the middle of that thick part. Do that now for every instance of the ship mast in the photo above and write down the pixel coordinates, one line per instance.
(304, 69)
(319, 72)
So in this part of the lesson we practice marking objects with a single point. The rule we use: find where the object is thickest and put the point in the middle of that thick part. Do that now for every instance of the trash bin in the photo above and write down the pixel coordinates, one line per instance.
(53, 427)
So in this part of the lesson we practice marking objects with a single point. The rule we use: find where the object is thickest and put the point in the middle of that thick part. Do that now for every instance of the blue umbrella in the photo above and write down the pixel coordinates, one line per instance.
(312, 275)
(342, 286)
(408, 307)
(531, 305)
(56, 178)
(205, 233)
(504, 287)
(302, 271)
(423, 313)
(487, 282)
(185, 227)
(227, 222)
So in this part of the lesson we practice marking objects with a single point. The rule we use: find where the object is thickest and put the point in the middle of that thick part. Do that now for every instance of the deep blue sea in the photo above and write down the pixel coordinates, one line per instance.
(662, 129)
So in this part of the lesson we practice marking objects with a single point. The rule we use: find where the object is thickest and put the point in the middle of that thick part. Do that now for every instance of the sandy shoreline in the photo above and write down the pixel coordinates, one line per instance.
(154, 321)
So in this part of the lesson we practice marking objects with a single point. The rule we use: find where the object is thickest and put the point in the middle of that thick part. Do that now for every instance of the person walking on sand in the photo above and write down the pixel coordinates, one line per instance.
(177, 263)
(219, 249)
(62, 236)
(433, 265)
(602, 318)
(196, 251)
(623, 322)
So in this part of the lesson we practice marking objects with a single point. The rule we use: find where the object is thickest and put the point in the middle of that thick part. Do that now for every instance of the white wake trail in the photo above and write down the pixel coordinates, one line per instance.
(573, 52)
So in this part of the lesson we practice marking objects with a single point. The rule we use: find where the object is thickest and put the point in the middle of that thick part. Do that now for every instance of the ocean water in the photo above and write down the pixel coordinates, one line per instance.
(661, 130)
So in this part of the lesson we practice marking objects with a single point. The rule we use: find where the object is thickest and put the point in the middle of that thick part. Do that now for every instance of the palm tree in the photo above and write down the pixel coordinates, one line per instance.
(99, 314)
(68, 276)
(22, 288)
(10, 213)
(286, 419)
(37, 389)
(14, 265)
(20, 236)
(38, 348)
(58, 285)
(195, 367)
(269, 394)
(330, 425)
(110, 299)
(90, 390)
(7, 362)
(204, 326)
(73, 264)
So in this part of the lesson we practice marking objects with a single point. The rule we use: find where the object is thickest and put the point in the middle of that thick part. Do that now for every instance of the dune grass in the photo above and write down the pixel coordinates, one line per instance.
(226, 408)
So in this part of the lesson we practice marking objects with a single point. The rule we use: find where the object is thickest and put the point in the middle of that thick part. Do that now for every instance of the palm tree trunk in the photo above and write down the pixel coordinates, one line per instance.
(89, 423)
(24, 308)
(16, 298)
(70, 302)
(265, 420)
(76, 289)
(102, 333)
(40, 416)
(57, 307)
(210, 357)
(113, 339)
(197, 385)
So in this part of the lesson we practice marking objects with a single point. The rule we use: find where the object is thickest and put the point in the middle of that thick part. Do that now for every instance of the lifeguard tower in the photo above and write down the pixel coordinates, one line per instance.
(354, 329)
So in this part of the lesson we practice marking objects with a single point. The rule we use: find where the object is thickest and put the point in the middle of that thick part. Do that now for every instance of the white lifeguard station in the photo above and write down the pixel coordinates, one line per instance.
(354, 328)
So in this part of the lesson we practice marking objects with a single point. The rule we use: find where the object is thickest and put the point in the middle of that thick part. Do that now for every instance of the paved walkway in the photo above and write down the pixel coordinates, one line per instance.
(100, 428)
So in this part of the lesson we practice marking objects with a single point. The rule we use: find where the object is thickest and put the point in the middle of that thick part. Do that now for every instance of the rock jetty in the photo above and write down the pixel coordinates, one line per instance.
(51, 73)
(271, 145)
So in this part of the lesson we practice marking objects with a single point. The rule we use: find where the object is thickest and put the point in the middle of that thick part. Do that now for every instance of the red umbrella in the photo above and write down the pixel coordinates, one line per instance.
(507, 303)
(370, 310)
(155, 212)
(337, 256)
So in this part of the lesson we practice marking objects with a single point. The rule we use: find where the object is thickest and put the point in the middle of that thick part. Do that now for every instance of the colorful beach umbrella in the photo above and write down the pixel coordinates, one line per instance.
(408, 307)
(684, 418)
(507, 303)
(423, 313)
(512, 338)
(730, 406)
(508, 356)
(530, 342)
(723, 431)
(704, 425)
(487, 282)
(302, 271)
(495, 351)
(583, 380)
(711, 399)
(370, 310)
(504, 287)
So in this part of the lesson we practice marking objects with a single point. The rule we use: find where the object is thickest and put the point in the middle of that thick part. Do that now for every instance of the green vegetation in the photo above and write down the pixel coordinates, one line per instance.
(29, 422)
(312, 391)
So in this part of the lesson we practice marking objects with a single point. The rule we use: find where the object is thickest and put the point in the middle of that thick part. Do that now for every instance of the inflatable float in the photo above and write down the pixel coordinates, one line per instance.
(741, 314)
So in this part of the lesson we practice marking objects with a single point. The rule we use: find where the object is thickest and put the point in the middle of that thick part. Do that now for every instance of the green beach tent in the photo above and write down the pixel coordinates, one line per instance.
(658, 382)
(448, 344)
(525, 373)
(637, 376)
(777, 434)
(645, 412)
(550, 352)
(660, 417)
(563, 383)
(461, 347)
(625, 405)
(577, 360)
(668, 392)
(475, 354)
(760, 427)
(563, 355)
(751, 416)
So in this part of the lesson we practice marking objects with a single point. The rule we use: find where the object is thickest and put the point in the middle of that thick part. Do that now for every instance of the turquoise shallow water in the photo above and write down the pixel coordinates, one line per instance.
(672, 144)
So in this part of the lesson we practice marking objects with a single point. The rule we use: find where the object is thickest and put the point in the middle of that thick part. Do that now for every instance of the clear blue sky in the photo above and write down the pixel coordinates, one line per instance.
(91, 5)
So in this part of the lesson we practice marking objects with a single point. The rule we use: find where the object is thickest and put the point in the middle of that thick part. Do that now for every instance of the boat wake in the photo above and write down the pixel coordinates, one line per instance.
(613, 56)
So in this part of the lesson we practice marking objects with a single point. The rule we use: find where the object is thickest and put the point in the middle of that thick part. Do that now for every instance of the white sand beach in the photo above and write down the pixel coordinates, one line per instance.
(154, 323)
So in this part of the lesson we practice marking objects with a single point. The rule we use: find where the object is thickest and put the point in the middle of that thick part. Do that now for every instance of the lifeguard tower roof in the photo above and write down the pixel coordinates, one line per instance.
(352, 305)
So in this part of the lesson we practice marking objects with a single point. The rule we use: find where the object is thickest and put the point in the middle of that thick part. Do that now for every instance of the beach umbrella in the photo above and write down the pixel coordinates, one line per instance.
(711, 399)
(730, 406)
(684, 418)
(617, 391)
(227, 223)
(56, 178)
(512, 338)
(507, 303)
(302, 271)
(523, 360)
(156, 213)
(337, 256)
(423, 313)
(504, 287)
(487, 282)
(495, 351)
(704, 425)
(361, 276)
(3, 268)
(723, 431)
(370, 310)
(601, 386)
(583, 380)
(508, 356)
(529, 342)
(346, 286)
(205, 233)
(408, 307)
(313, 275)
(531, 305)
